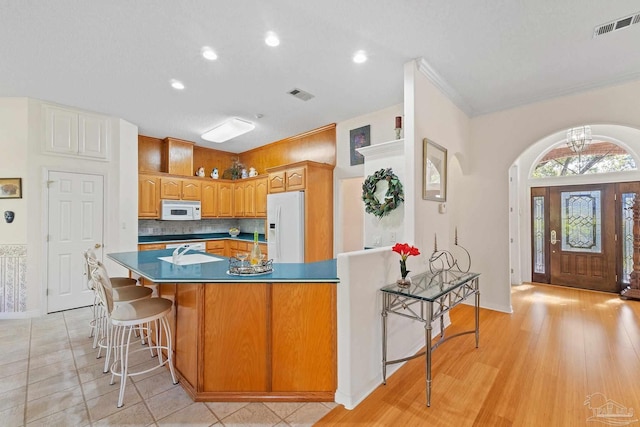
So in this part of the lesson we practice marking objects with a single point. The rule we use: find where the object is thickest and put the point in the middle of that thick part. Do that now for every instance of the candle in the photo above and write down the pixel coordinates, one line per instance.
(398, 122)
(456, 239)
(435, 242)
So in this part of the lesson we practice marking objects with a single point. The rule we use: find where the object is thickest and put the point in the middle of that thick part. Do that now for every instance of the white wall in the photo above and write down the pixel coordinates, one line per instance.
(497, 140)
(32, 164)
(13, 164)
(361, 274)
(382, 124)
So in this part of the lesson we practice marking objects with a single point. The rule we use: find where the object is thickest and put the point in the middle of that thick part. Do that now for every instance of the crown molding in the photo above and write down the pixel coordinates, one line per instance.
(444, 87)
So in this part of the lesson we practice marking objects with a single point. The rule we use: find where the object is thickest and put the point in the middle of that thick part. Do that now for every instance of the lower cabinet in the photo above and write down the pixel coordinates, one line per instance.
(252, 341)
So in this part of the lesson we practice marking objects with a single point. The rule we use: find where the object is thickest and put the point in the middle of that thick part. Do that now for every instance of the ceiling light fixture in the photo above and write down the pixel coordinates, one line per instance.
(230, 129)
(272, 39)
(209, 54)
(578, 138)
(359, 57)
(177, 84)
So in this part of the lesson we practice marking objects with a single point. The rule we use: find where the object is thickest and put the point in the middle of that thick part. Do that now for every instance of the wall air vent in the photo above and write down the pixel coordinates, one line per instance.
(616, 25)
(300, 94)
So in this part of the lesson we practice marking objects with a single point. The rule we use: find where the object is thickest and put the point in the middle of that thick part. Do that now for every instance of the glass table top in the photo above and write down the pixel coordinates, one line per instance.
(430, 286)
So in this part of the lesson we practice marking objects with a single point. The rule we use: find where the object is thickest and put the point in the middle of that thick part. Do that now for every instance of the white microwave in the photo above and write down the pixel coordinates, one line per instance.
(180, 210)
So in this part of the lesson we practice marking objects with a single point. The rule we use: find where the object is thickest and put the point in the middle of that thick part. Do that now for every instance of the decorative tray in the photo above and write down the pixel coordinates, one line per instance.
(239, 267)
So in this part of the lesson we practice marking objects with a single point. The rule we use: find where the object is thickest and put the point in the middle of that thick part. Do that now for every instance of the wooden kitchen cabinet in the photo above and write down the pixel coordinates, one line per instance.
(177, 157)
(225, 199)
(261, 197)
(209, 202)
(238, 199)
(249, 195)
(191, 189)
(288, 178)
(278, 349)
(173, 188)
(216, 247)
(148, 196)
(277, 181)
(152, 246)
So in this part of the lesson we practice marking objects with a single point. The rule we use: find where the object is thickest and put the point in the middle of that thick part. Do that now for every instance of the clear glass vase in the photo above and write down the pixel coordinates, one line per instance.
(404, 282)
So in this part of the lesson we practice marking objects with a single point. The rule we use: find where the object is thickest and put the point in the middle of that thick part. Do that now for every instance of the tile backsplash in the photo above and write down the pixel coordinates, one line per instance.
(153, 227)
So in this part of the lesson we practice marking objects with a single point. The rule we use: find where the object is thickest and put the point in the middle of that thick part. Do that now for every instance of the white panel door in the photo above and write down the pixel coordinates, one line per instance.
(75, 217)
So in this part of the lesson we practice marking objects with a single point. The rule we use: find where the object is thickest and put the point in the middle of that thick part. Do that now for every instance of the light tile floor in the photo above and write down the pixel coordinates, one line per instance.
(49, 376)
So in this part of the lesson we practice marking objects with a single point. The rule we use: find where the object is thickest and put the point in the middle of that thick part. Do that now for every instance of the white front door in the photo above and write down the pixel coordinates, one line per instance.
(75, 216)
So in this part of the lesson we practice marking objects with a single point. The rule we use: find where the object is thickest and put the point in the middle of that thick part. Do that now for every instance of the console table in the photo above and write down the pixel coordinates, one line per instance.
(429, 297)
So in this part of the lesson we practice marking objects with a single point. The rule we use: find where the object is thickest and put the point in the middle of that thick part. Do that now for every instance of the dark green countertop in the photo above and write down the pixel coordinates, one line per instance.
(147, 265)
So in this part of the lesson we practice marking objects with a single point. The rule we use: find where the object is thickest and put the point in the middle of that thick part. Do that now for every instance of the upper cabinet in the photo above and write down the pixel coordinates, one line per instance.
(148, 196)
(177, 157)
(76, 133)
(288, 178)
(180, 189)
(209, 199)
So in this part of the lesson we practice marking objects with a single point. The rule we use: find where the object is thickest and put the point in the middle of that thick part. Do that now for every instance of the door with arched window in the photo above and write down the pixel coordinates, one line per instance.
(582, 235)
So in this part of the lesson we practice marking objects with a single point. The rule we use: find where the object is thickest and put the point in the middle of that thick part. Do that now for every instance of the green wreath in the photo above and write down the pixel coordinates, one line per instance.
(392, 197)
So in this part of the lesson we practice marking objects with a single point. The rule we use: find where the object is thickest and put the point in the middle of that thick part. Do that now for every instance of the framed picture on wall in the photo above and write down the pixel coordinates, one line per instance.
(434, 166)
(360, 137)
(10, 188)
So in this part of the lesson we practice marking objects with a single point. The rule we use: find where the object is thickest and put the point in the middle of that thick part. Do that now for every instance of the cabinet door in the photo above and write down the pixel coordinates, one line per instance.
(296, 179)
(261, 198)
(61, 130)
(170, 188)
(152, 247)
(276, 182)
(191, 189)
(93, 134)
(216, 247)
(238, 199)
(303, 340)
(235, 326)
(225, 199)
(148, 196)
(209, 199)
(250, 199)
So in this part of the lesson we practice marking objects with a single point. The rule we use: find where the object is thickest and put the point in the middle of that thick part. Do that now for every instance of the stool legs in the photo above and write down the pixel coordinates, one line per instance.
(121, 345)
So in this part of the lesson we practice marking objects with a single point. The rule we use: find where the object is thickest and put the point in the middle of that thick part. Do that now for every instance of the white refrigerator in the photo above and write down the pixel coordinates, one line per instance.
(285, 226)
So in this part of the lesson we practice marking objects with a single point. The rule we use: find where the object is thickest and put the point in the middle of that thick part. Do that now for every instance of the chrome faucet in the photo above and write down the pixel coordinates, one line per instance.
(179, 251)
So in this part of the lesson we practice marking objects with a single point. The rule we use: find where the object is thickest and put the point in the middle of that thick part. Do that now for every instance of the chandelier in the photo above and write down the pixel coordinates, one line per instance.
(578, 138)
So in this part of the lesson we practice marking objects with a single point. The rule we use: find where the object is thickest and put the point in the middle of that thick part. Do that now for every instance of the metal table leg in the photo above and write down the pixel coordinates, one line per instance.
(385, 301)
(427, 339)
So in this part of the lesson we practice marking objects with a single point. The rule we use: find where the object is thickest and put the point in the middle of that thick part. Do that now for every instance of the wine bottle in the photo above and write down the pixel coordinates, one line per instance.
(256, 254)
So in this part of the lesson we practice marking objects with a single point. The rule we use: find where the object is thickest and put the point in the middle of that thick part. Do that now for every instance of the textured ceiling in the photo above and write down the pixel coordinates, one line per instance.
(117, 57)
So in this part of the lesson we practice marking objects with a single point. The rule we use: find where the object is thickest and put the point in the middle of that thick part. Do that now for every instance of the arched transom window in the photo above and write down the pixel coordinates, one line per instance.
(597, 157)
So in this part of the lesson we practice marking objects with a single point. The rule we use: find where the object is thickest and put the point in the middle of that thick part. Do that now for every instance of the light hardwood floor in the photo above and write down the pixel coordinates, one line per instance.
(535, 367)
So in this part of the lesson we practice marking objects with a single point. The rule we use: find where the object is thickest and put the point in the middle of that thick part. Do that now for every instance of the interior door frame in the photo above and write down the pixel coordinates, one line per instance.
(44, 220)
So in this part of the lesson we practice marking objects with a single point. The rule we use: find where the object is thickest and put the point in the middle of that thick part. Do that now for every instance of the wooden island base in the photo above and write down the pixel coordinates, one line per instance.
(254, 341)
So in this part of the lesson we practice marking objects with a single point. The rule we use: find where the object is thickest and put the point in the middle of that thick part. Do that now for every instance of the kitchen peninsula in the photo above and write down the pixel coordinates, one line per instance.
(269, 337)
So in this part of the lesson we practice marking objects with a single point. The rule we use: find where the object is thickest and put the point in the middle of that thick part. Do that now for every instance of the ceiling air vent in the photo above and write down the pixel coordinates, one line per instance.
(300, 94)
(618, 24)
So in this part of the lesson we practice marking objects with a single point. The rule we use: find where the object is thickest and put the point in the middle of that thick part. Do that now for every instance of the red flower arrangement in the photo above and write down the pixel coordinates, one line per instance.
(405, 250)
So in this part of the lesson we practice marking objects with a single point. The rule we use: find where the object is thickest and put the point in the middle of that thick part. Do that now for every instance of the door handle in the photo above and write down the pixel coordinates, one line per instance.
(97, 246)
(553, 237)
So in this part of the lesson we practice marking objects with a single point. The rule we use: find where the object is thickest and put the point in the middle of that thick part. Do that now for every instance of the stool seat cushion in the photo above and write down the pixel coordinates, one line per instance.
(119, 282)
(140, 311)
(131, 293)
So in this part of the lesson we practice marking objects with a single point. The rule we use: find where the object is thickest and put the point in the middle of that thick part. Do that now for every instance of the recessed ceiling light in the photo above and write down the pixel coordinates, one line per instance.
(177, 84)
(272, 39)
(230, 129)
(209, 54)
(359, 57)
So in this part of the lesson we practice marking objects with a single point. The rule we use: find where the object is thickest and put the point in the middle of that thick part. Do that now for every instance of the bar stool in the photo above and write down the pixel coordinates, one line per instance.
(122, 295)
(125, 318)
(117, 282)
